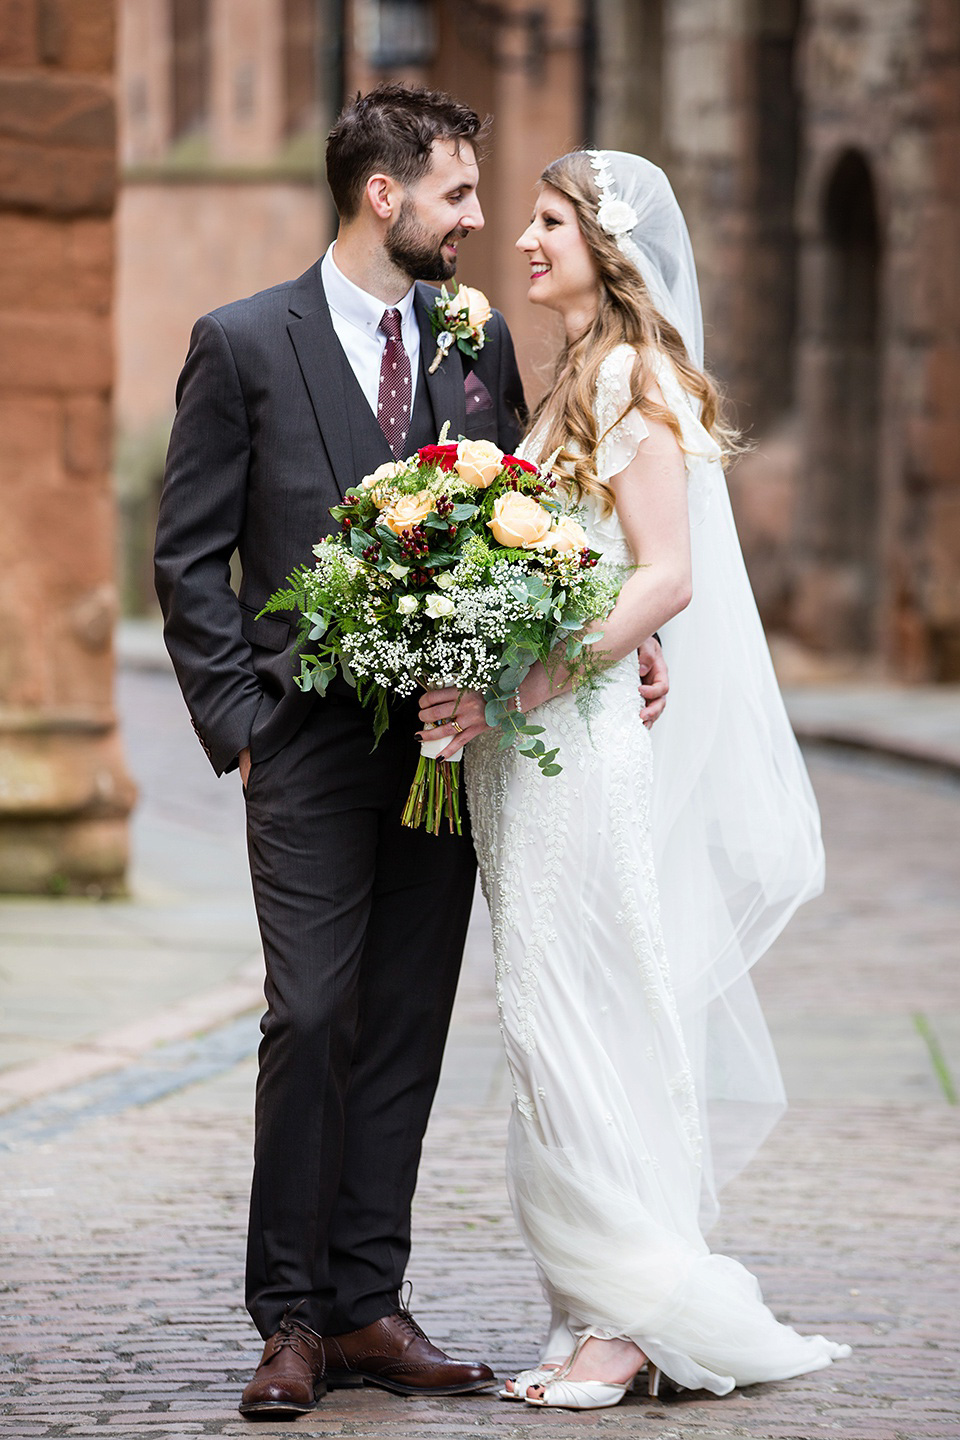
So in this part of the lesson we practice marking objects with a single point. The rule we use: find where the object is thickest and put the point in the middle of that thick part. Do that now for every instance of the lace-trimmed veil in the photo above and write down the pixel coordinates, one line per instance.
(735, 823)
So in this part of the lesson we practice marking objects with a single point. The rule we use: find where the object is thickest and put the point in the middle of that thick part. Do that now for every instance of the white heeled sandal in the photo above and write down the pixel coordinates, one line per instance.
(526, 1378)
(587, 1394)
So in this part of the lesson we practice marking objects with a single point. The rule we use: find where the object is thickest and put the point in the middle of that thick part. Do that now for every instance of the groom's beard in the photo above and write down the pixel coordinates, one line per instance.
(414, 250)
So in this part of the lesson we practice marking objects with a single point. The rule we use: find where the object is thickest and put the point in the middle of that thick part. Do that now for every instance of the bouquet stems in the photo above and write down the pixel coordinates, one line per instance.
(434, 795)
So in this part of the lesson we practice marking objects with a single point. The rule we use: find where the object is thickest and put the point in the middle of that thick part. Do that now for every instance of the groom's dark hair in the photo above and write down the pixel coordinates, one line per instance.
(392, 129)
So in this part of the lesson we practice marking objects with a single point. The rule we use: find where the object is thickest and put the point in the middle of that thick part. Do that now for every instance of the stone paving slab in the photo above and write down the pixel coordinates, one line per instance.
(919, 721)
(128, 1320)
(121, 1237)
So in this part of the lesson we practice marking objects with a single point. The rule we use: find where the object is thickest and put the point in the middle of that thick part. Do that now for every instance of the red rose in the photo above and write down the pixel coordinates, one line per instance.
(443, 456)
(519, 464)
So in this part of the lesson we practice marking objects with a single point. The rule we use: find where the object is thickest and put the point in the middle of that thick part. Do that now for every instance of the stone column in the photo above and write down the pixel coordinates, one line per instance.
(64, 790)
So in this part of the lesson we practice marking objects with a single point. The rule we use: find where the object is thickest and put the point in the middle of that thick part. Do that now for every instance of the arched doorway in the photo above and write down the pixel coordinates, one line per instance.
(841, 411)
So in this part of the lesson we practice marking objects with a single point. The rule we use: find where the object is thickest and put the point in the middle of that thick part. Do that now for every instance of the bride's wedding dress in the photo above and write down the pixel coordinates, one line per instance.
(626, 1007)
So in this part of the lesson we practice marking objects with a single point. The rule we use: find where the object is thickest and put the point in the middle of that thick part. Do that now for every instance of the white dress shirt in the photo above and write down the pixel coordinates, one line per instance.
(356, 317)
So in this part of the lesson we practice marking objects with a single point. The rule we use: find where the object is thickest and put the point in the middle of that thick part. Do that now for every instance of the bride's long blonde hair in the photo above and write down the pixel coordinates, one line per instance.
(625, 314)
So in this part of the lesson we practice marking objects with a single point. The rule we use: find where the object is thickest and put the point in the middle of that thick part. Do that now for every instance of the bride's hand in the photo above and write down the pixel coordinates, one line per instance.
(443, 708)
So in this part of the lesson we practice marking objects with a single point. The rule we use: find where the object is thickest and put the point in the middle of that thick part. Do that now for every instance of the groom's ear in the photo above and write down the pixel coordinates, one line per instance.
(384, 196)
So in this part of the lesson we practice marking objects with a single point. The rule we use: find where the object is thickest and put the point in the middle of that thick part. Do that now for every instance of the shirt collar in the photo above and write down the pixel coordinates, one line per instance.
(358, 307)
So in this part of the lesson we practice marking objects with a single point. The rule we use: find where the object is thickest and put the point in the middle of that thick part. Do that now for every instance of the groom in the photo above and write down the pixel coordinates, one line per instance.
(285, 400)
(363, 921)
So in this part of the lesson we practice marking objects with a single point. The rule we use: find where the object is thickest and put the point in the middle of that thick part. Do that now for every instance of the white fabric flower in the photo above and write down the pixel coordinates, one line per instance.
(438, 607)
(616, 217)
(407, 604)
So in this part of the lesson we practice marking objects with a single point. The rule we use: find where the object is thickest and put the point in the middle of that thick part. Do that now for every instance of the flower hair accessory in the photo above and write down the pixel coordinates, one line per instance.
(458, 319)
(615, 216)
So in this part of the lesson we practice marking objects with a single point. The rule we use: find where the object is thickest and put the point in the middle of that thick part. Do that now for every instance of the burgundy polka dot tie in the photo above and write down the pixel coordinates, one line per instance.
(393, 402)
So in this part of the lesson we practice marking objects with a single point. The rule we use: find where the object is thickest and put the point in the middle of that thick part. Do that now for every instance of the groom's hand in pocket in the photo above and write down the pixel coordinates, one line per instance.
(654, 680)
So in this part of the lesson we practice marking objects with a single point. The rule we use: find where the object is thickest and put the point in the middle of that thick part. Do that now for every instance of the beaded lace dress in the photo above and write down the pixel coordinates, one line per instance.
(606, 1142)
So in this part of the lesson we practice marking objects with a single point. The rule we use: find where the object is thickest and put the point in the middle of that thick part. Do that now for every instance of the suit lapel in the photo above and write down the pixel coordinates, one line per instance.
(320, 355)
(446, 383)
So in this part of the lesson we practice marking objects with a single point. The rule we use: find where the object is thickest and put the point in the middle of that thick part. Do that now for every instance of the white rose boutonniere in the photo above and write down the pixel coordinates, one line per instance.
(459, 319)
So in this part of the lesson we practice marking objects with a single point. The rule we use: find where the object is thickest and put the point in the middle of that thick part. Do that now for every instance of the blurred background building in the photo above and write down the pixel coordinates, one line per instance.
(812, 143)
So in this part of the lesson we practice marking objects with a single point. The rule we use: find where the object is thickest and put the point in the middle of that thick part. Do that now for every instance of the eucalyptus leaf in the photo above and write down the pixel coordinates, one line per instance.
(494, 712)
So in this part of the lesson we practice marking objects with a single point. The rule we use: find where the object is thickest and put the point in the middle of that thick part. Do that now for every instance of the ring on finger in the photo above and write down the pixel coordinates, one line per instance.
(456, 725)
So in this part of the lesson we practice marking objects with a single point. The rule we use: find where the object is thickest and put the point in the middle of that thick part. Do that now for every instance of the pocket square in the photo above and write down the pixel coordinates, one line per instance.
(475, 394)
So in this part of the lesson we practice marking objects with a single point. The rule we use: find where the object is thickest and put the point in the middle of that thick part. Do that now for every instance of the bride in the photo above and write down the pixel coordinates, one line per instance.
(631, 894)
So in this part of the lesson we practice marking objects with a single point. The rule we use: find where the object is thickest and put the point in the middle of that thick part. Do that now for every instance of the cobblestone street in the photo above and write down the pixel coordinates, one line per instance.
(124, 1184)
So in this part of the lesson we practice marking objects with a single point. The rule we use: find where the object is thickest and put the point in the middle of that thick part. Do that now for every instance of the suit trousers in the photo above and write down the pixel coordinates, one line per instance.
(363, 924)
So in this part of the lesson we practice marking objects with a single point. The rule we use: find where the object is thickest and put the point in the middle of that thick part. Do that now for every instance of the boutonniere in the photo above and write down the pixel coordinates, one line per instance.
(458, 319)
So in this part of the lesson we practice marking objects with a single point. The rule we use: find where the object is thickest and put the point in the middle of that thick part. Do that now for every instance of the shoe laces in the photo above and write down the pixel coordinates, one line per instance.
(292, 1332)
(407, 1320)
(404, 1316)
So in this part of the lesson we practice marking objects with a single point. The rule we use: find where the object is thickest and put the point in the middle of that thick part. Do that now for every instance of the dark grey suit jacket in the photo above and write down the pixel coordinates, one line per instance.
(271, 428)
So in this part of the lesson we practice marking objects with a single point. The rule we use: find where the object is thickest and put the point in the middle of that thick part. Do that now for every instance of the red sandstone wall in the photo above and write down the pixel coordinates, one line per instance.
(185, 249)
(63, 790)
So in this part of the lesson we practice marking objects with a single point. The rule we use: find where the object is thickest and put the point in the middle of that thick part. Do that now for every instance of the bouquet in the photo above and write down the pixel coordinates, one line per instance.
(457, 567)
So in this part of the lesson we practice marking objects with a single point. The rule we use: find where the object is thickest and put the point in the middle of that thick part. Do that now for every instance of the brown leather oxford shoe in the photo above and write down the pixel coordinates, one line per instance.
(395, 1354)
(289, 1379)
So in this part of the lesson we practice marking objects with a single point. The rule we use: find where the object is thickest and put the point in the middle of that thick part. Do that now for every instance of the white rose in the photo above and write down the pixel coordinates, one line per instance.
(399, 572)
(407, 604)
(438, 607)
(445, 581)
(616, 217)
(389, 471)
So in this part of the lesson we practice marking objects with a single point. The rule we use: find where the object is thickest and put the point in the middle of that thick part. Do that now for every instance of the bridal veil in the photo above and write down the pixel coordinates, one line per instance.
(736, 829)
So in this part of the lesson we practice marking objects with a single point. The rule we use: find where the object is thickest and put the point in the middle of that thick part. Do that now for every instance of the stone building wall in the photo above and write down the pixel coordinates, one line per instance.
(221, 122)
(64, 792)
(813, 145)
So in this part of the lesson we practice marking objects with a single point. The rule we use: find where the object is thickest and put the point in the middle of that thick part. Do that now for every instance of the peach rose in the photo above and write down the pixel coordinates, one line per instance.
(389, 471)
(478, 462)
(567, 534)
(378, 484)
(518, 521)
(474, 304)
(407, 511)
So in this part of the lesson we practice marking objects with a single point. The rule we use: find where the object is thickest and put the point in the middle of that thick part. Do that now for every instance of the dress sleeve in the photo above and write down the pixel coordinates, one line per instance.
(619, 439)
